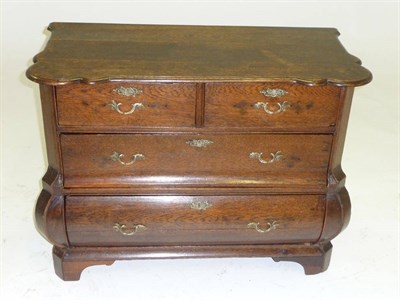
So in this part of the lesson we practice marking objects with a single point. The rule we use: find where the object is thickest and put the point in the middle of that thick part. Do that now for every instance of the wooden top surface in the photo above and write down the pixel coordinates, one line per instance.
(78, 52)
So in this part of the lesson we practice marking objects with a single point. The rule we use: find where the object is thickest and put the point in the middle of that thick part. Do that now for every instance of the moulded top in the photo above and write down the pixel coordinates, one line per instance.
(90, 53)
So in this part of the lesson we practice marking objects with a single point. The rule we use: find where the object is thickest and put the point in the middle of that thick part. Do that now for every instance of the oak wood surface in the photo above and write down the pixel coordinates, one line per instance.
(49, 113)
(164, 105)
(170, 220)
(68, 268)
(233, 105)
(103, 52)
(338, 210)
(170, 160)
(70, 262)
(312, 264)
(49, 210)
(196, 83)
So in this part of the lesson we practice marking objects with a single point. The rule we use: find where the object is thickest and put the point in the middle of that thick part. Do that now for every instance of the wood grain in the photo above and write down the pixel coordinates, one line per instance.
(70, 262)
(197, 83)
(164, 105)
(91, 53)
(338, 206)
(170, 220)
(312, 264)
(232, 105)
(49, 210)
(169, 160)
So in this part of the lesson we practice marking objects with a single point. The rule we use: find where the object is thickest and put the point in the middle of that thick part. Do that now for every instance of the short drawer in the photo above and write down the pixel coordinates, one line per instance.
(193, 220)
(129, 160)
(126, 104)
(272, 106)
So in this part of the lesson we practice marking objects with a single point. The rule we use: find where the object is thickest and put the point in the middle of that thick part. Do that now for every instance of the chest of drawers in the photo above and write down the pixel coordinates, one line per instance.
(193, 141)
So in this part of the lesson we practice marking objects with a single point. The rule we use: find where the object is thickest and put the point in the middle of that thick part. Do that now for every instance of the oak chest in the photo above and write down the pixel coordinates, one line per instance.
(193, 141)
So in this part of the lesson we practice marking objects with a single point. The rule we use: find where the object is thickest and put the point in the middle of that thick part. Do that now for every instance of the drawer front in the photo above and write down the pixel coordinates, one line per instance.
(193, 220)
(126, 104)
(129, 160)
(276, 106)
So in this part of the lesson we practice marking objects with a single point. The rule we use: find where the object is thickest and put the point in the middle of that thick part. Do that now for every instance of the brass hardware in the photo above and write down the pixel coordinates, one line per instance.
(130, 91)
(122, 228)
(281, 107)
(199, 143)
(274, 157)
(118, 157)
(270, 226)
(200, 205)
(135, 106)
(273, 93)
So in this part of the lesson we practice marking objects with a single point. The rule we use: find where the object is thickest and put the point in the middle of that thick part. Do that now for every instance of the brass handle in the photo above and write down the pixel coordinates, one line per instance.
(128, 92)
(270, 226)
(281, 107)
(199, 143)
(122, 228)
(274, 157)
(135, 106)
(118, 157)
(273, 93)
(200, 205)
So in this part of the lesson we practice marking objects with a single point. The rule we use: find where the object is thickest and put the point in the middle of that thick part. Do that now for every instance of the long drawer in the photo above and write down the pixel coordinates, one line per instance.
(193, 220)
(127, 104)
(125, 160)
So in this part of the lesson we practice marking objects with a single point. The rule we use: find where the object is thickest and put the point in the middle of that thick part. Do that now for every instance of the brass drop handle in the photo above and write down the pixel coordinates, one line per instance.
(123, 229)
(119, 156)
(280, 107)
(116, 106)
(273, 93)
(270, 226)
(274, 157)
